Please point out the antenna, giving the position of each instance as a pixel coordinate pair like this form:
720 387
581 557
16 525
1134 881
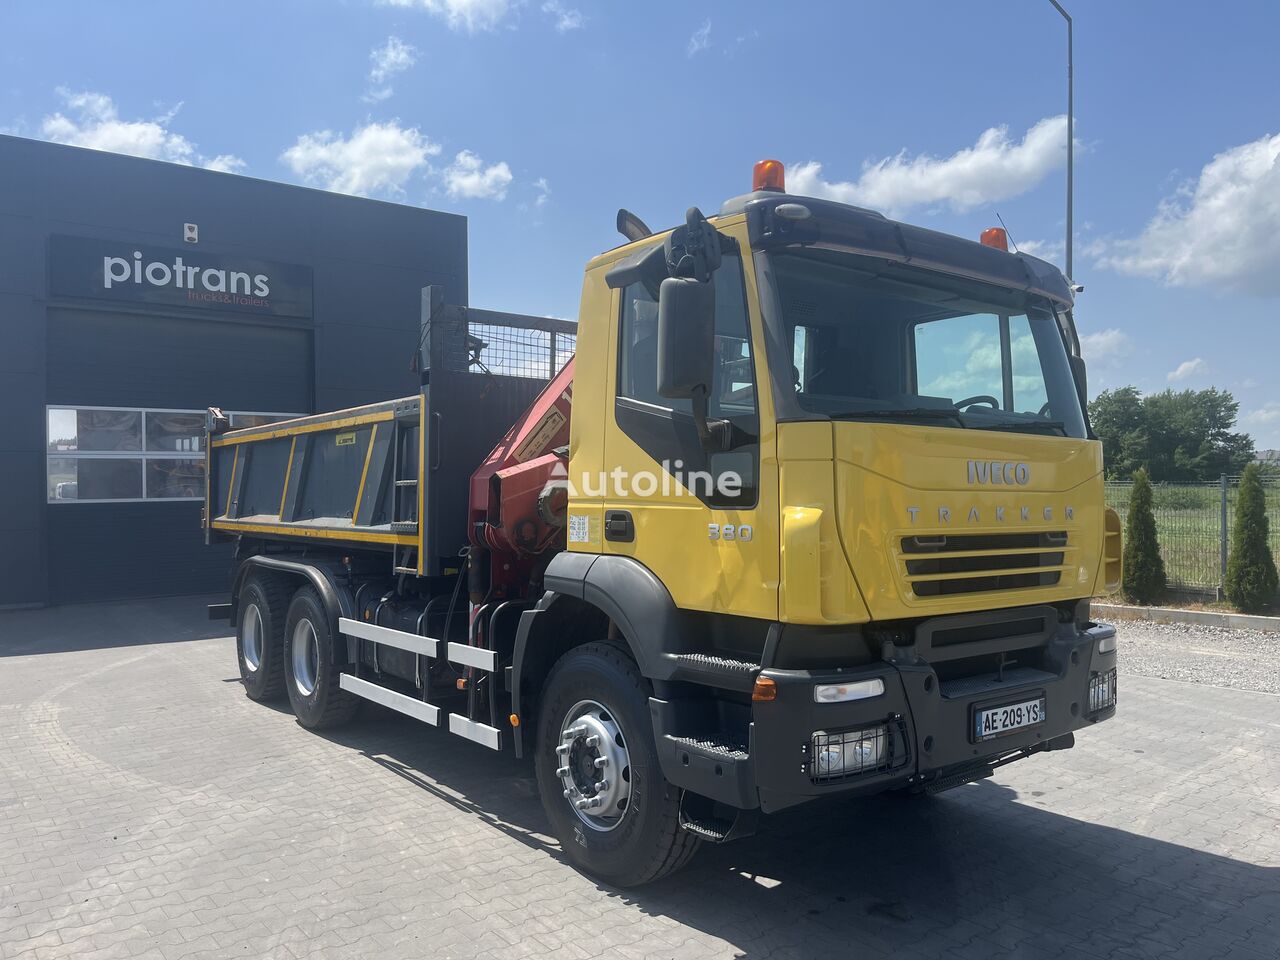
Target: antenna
1006 231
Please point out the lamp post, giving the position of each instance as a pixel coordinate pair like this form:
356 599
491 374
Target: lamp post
1071 139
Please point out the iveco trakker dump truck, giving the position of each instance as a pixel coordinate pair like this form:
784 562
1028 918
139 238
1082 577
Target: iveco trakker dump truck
813 511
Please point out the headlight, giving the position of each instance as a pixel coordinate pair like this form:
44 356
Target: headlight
836 755
1107 644
1102 691
844 692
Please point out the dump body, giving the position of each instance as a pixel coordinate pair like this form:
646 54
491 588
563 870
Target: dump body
363 478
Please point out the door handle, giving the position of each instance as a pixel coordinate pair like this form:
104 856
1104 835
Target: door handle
618 526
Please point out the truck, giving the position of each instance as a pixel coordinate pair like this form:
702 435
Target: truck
805 505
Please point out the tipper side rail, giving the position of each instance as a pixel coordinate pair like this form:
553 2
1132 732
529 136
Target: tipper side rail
806 504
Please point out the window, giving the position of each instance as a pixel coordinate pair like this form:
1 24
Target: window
664 427
887 343
994 360
733 389
109 454
959 358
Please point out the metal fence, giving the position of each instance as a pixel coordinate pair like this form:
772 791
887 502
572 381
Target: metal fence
1193 524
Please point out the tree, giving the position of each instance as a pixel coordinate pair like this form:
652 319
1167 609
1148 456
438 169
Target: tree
1182 435
1143 580
1252 580
1120 422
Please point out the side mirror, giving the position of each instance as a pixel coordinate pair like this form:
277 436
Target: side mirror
1082 379
686 340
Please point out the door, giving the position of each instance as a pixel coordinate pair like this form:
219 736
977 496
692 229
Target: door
703 522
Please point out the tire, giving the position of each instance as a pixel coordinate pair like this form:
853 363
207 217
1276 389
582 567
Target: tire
311 676
633 836
260 638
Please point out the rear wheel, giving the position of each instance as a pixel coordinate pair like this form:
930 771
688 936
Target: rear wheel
260 638
598 772
311 675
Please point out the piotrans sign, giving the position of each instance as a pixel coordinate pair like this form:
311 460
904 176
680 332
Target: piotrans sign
122 271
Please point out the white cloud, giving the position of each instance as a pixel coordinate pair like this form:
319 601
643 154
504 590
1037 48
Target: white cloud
468 178
95 122
1106 347
1221 231
375 158
224 163
1267 414
1187 369
544 191
567 18
700 40
393 57
467 15
1044 249
994 168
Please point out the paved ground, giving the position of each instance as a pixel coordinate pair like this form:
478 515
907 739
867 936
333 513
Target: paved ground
148 809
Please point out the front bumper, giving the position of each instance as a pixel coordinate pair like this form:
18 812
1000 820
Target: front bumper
928 724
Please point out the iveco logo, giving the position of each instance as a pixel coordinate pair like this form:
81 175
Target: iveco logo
999 471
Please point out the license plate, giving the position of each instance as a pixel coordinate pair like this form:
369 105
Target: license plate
997 721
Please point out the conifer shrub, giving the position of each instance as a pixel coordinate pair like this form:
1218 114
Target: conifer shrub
1252 581
1144 577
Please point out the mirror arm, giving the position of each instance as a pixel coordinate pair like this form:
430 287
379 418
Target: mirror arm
715 436
701 407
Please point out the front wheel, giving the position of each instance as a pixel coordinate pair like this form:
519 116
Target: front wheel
598 772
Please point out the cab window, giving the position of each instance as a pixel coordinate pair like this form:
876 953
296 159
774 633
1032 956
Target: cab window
664 426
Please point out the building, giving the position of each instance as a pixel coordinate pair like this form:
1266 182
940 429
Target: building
133 295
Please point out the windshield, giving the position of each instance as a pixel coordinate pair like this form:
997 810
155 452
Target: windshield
868 339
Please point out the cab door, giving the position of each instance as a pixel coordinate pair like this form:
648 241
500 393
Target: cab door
705 522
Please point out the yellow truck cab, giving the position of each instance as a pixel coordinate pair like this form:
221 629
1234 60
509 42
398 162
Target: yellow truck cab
827 522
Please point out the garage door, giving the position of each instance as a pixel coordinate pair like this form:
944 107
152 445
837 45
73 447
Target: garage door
111 378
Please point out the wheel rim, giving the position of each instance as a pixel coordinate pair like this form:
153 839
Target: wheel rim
594 766
306 657
251 638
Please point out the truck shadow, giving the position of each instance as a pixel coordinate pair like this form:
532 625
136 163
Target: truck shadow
94 626
971 872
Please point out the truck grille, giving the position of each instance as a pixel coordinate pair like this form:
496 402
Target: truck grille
948 564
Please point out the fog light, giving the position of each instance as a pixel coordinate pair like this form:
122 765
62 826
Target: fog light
835 755
843 692
1107 644
1102 691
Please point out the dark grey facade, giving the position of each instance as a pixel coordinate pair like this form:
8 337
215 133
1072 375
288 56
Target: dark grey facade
116 330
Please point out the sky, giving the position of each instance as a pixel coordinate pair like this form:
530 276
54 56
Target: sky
538 119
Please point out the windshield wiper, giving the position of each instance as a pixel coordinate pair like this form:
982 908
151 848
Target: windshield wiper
1025 426
902 413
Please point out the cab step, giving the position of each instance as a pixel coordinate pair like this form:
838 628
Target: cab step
404 526
716 769
710 749
712 671
713 822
